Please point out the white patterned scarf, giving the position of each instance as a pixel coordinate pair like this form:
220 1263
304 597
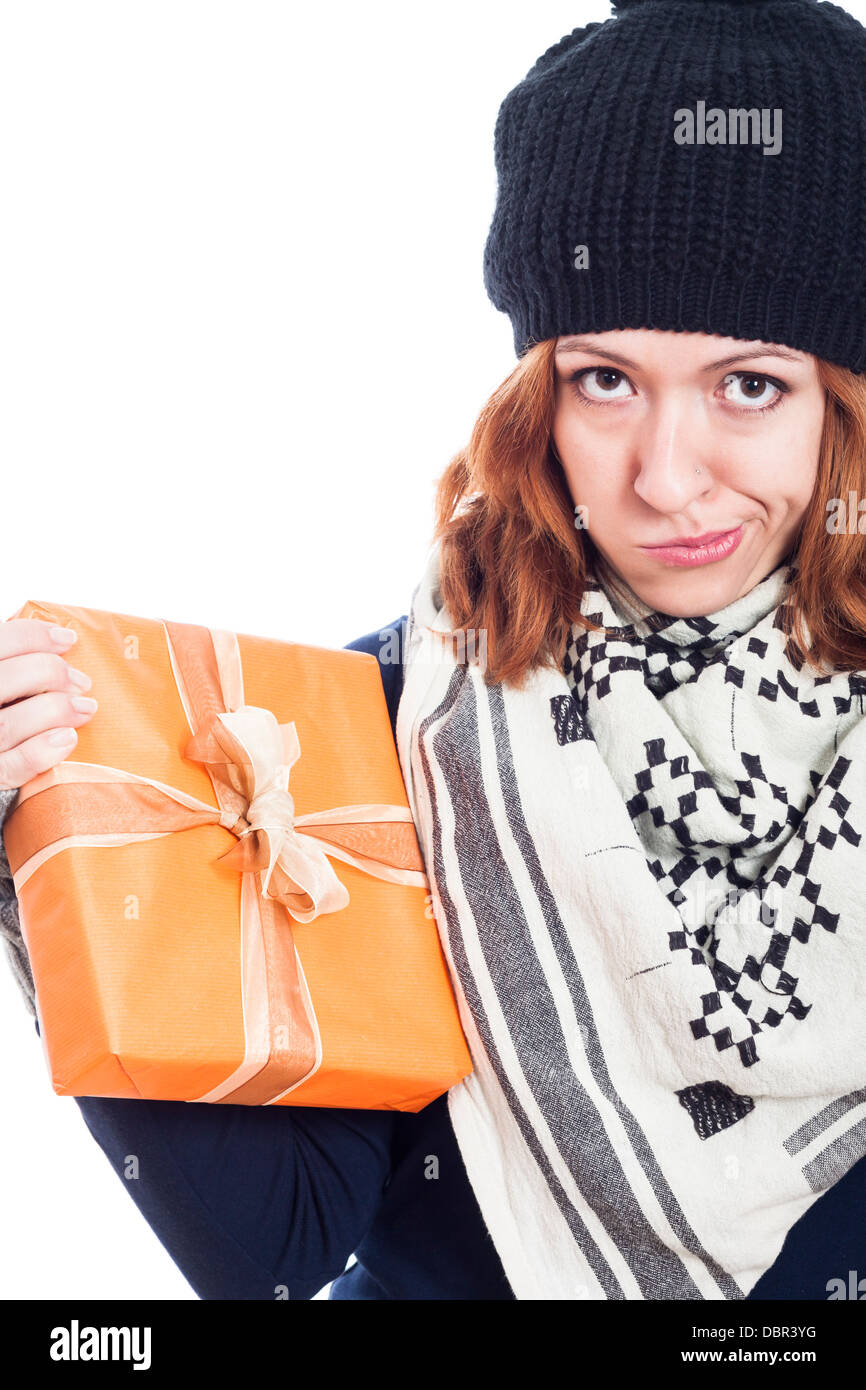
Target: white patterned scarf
649 879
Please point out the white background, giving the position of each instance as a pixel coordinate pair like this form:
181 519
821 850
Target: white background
244 329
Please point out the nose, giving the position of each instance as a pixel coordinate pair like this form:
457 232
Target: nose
669 455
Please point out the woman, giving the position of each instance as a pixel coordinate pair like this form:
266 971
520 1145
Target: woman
630 727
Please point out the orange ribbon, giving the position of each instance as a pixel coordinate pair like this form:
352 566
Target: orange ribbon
283 858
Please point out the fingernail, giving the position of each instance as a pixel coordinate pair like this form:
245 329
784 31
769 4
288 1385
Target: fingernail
78 678
63 636
83 703
61 736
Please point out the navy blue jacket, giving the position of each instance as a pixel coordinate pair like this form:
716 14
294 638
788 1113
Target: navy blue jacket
247 1199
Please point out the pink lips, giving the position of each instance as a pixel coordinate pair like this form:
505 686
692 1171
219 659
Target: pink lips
691 542
697 550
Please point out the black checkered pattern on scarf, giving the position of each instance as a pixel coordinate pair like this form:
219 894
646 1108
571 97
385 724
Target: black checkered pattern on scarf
779 856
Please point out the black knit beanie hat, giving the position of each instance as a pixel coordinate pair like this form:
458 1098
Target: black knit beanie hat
689 164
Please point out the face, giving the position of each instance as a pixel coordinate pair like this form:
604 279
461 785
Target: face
640 411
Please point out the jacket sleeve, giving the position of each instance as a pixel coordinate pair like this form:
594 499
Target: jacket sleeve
248 1201
10 926
387 643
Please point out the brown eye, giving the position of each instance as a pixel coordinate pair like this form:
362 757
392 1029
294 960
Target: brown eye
597 384
753 385
751 391
608 379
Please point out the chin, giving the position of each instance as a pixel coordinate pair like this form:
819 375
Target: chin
694 594
690 593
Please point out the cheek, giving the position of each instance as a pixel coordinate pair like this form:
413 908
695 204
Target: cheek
599 496
792 459
595 465
784 484
805 492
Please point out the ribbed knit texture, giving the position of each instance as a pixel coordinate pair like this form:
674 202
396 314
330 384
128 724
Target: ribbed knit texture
713 238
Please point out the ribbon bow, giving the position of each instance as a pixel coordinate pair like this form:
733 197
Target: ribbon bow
248 753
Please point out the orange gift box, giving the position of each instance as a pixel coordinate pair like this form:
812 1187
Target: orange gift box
222 892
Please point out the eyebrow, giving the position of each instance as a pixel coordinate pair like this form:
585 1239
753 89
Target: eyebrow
583 345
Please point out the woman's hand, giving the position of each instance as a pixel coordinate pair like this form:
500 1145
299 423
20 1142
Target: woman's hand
42 700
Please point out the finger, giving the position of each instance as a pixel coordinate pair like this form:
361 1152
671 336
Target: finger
19 765
20 635
37 671
40 714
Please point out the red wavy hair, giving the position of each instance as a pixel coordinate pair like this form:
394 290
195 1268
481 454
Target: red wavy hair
514 565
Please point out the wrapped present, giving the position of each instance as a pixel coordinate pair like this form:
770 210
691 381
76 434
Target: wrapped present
198 928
